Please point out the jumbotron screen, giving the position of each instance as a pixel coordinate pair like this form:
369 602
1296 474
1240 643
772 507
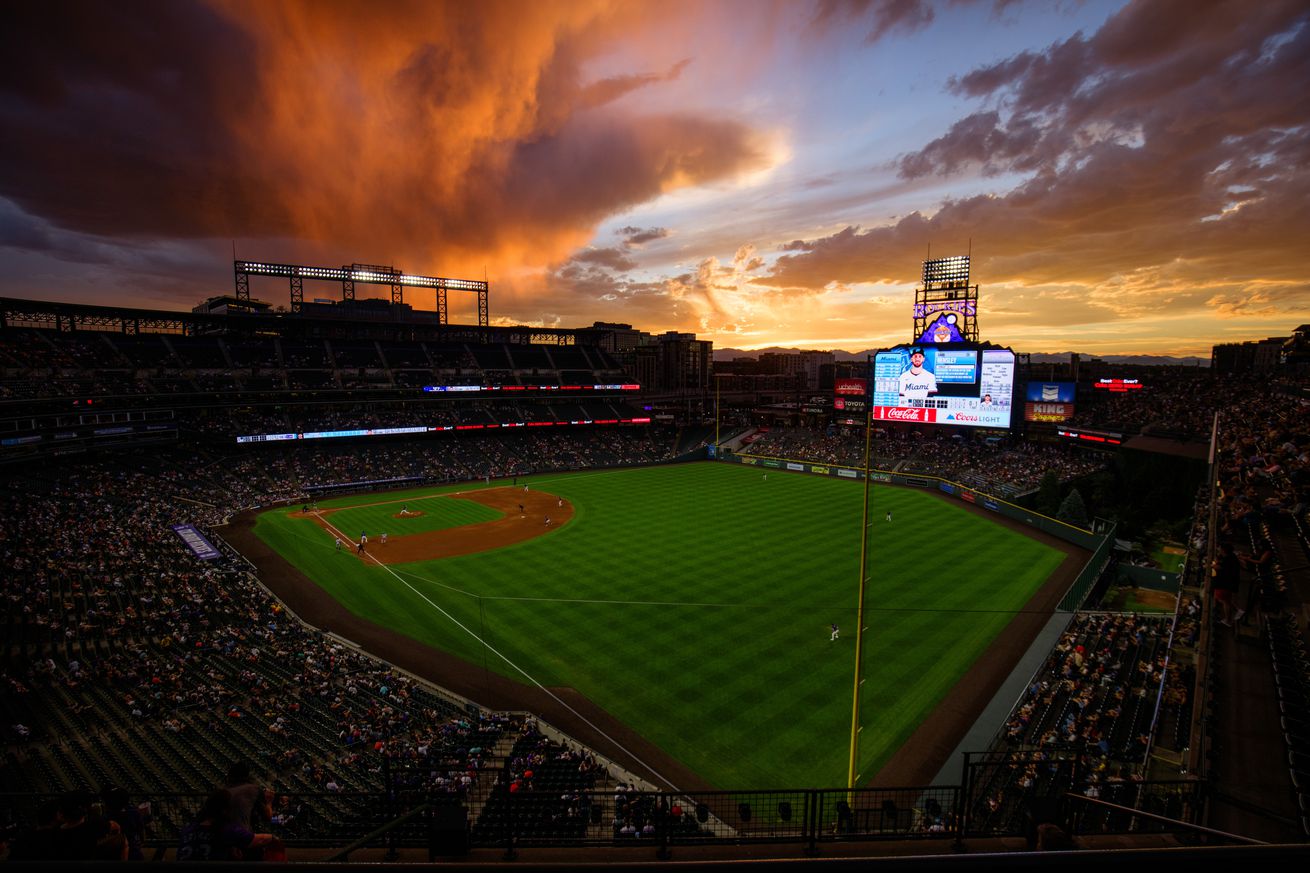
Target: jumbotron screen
944 384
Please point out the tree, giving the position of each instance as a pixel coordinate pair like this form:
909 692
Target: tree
1048 493
1102 495
1073 510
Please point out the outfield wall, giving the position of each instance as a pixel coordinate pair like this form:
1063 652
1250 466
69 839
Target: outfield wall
1150 577
1067 532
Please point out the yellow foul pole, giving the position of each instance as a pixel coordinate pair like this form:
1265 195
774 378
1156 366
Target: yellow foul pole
852 776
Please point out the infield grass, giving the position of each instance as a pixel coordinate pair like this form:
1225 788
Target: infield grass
693 602
379 513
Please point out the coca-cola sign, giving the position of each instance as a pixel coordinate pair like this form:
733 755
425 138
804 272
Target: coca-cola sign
902 413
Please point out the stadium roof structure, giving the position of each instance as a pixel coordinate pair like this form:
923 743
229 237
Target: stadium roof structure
342 320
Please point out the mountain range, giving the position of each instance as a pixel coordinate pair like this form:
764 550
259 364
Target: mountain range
1036 358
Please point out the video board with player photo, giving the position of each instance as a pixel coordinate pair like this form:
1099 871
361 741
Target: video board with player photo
959 384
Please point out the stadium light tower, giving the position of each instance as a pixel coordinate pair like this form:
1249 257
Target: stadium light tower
946 302
360 274
852 775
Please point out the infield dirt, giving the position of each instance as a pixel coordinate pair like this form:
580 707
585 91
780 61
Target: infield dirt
514 527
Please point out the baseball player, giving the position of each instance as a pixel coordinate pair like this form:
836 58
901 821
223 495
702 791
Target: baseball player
916 383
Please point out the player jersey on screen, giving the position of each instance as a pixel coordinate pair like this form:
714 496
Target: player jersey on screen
917 386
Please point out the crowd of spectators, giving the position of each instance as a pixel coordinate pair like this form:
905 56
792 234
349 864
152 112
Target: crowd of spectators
832 447
1172 403
552 789
1007 467
1076 708
115 629
1263 493
262 475
1104 668
1084 722
1264 464
1021 466
104 595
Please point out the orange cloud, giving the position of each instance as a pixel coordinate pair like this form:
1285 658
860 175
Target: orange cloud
424 134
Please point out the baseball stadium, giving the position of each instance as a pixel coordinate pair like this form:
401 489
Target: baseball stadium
537 596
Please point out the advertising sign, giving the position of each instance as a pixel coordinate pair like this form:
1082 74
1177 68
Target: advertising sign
1051 392
851 387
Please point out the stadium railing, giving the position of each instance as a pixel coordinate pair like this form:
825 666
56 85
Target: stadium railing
1076 596
804 817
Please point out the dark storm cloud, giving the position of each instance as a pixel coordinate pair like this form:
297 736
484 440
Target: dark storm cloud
453 137
117 123
612 258
597 164
639 236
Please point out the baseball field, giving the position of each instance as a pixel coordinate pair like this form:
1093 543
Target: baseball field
691 602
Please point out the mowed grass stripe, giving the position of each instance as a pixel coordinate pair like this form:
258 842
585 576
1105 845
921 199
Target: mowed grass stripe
749 693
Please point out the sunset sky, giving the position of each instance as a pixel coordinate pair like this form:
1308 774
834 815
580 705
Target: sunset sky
1132 177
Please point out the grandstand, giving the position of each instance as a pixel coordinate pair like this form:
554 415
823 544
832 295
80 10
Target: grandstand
134 661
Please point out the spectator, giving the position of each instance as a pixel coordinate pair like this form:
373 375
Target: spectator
214 836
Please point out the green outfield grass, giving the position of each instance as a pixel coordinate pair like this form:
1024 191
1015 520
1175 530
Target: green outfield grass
693 602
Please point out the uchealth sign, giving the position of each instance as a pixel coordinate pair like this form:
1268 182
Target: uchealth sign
856 387
904 413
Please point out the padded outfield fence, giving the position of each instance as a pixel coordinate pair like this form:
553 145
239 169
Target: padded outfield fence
1069 533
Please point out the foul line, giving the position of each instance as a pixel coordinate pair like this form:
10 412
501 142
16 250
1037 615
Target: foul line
501 655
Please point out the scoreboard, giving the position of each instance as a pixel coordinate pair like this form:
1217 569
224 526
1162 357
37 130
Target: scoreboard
960 384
